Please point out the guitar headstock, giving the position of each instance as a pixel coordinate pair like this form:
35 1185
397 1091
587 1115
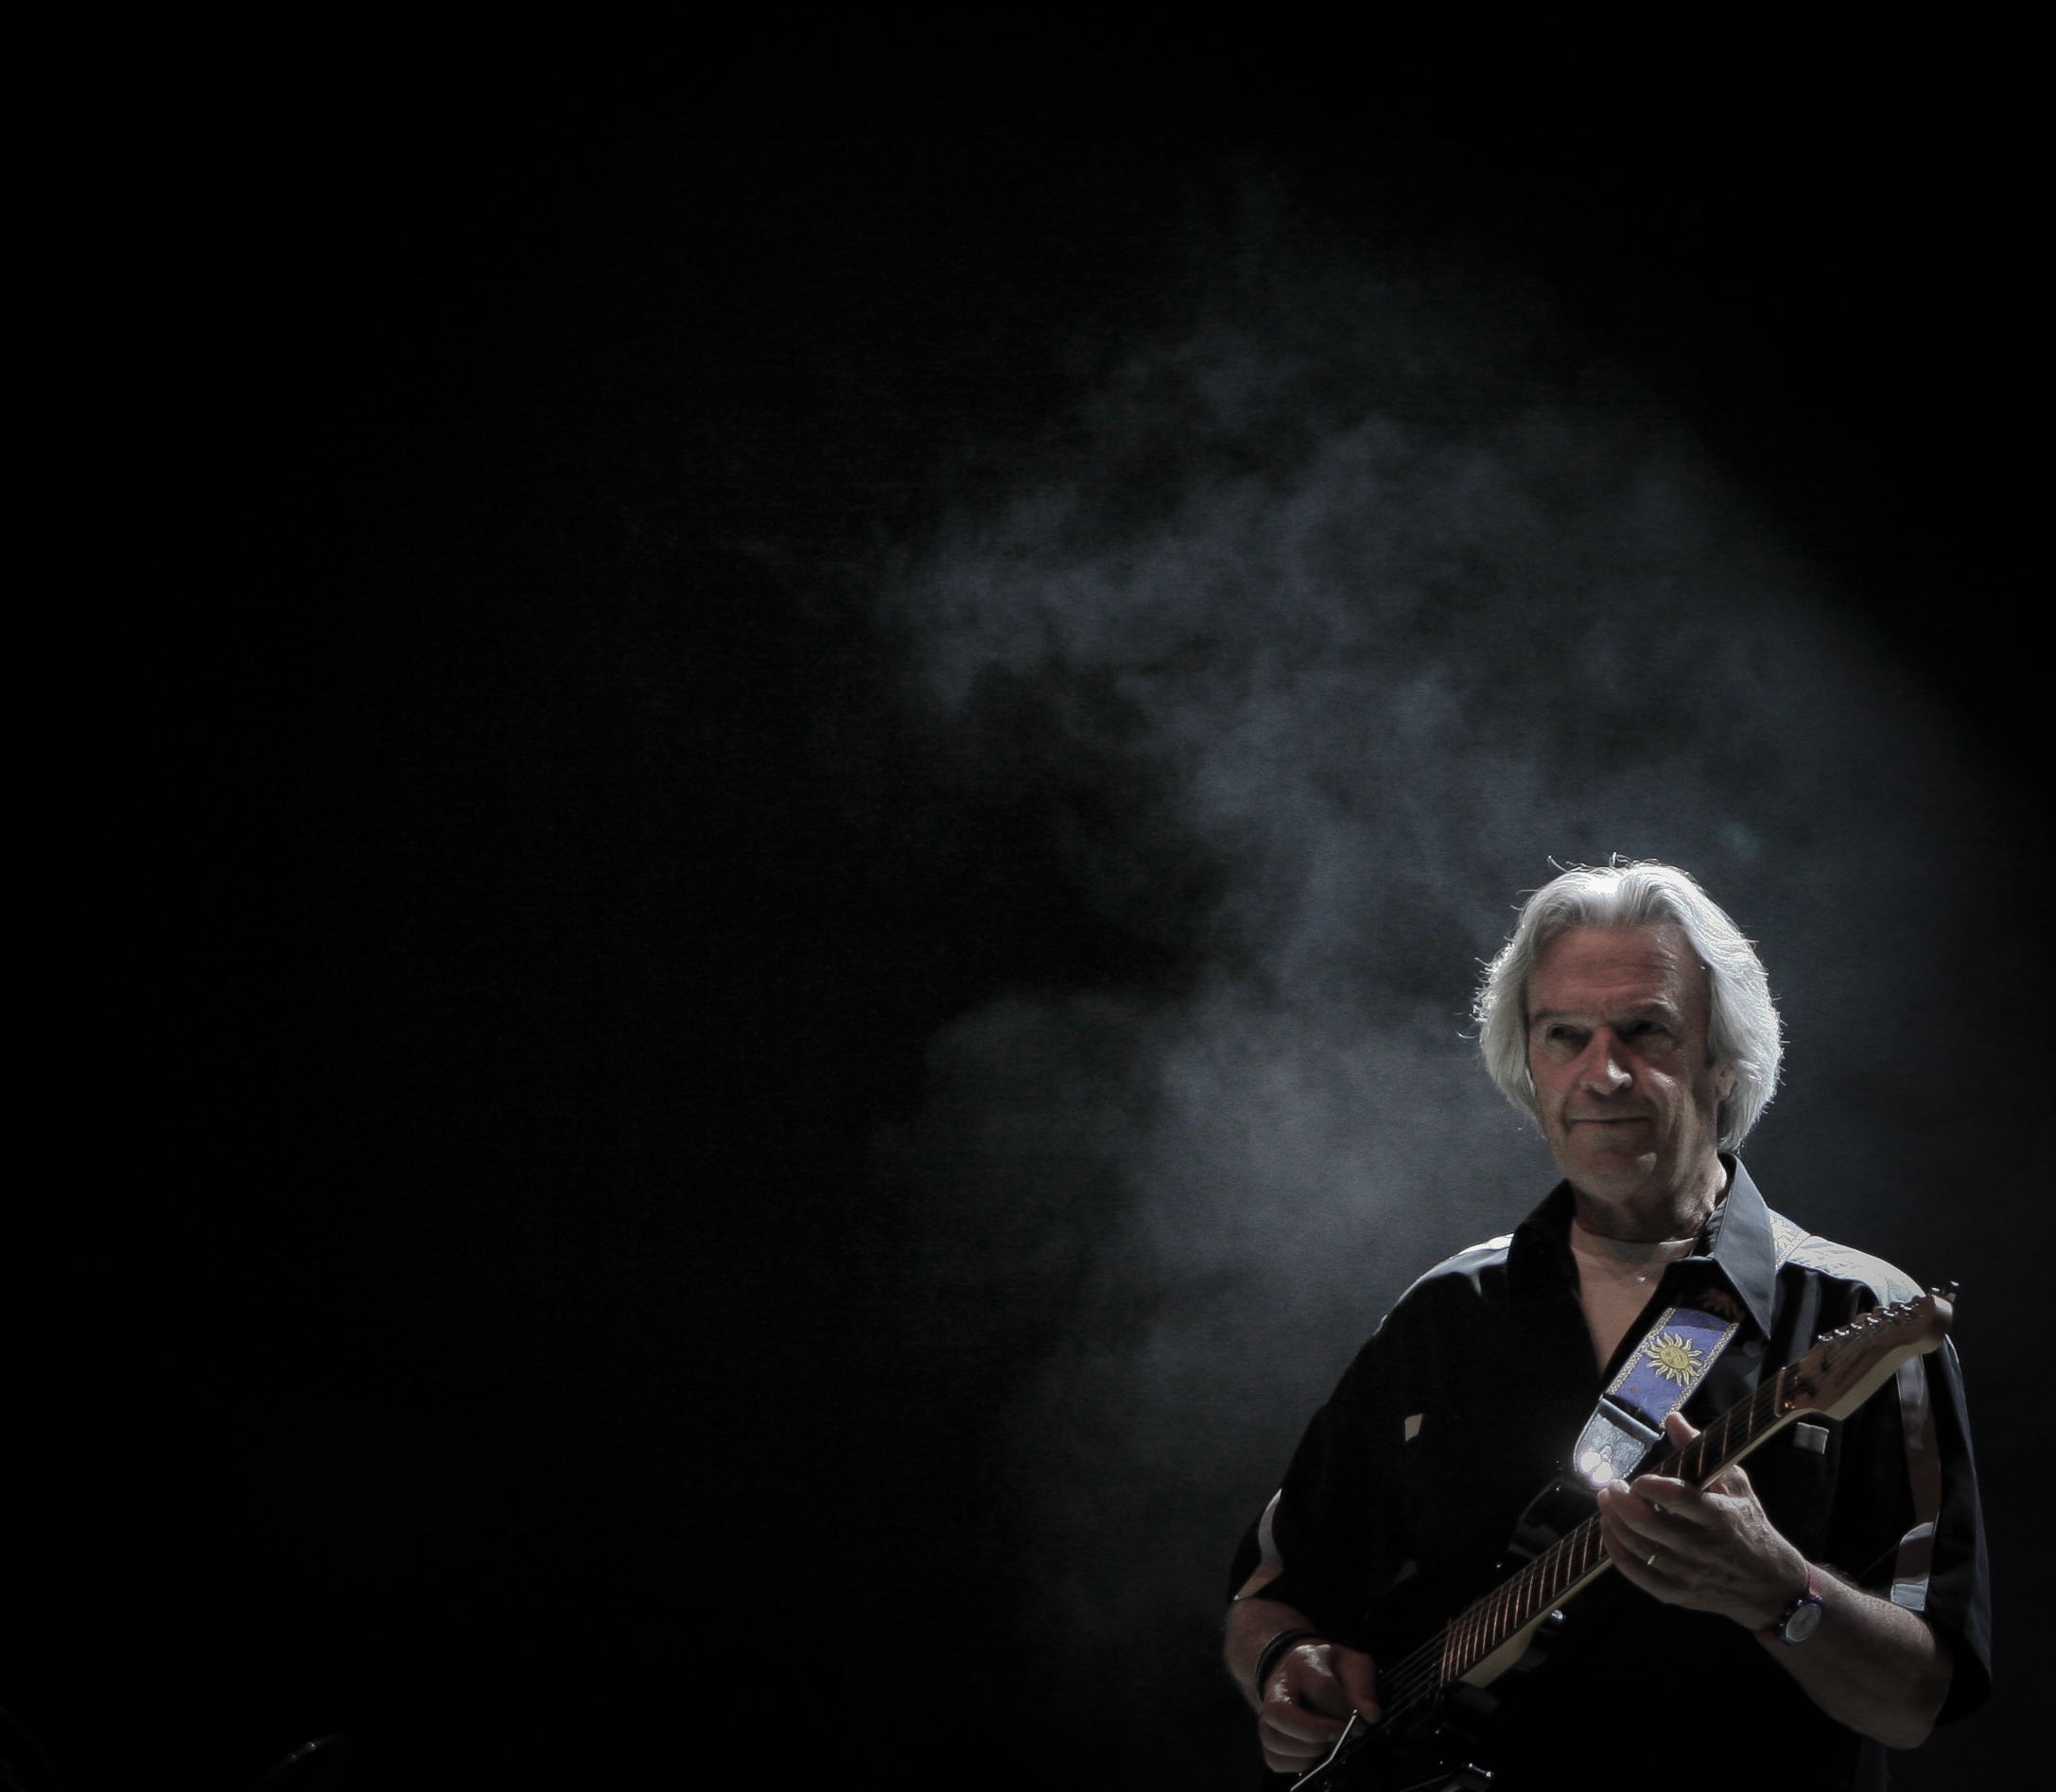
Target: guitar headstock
1850 1363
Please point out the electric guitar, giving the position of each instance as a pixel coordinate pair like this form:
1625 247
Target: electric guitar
1435 1696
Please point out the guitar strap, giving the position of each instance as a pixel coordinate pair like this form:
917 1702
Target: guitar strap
1659 1377
1655 1379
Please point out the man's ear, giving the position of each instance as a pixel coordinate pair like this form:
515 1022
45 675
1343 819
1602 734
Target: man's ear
1723 1081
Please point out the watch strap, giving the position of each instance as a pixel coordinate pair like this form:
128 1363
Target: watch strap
1779 1632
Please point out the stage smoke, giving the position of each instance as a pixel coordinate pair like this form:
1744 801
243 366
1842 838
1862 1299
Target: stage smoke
1341 614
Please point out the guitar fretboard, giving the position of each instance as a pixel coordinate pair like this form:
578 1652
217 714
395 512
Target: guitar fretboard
1579 1557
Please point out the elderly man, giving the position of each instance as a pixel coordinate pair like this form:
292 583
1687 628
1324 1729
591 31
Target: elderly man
1782 1626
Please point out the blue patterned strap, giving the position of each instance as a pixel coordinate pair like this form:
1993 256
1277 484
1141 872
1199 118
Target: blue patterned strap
1659 1377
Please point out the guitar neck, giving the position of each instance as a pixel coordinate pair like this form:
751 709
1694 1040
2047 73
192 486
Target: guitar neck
1492 1624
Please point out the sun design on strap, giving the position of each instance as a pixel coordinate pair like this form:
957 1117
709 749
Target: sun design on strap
1675 1357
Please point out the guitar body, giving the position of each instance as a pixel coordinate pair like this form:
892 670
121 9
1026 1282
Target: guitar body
1445 1742
1436 1762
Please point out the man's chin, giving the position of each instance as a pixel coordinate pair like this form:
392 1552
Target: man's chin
1607 1170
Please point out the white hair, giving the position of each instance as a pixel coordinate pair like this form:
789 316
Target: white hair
1743 1032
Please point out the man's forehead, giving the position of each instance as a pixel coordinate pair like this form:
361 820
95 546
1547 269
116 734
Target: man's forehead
1618 970
1657 1004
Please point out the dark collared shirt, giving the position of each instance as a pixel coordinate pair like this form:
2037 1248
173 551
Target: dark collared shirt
1467 1401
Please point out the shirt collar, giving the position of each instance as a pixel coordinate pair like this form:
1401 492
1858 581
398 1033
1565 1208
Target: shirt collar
1739 1240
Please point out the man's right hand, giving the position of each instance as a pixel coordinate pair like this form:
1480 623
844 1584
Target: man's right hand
1308 1699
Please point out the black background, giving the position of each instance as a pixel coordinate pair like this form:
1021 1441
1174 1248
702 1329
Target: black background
461 1310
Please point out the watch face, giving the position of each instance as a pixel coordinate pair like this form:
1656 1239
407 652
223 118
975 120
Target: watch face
1801 1620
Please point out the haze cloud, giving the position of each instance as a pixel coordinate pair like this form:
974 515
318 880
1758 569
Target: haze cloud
1350 606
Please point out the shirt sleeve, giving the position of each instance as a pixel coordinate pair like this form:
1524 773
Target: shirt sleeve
1958 1603
1338 1525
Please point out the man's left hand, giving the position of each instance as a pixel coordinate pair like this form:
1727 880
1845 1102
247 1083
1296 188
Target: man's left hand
1711 1548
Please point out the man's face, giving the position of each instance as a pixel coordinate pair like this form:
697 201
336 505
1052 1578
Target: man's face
1616 1042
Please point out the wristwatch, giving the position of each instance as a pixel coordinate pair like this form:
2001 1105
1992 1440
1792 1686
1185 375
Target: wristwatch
1802 1618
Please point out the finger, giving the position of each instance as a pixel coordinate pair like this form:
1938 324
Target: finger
1297 1740
1653 1578
1654 1566
1305 1705
1296 1730
1621 1511
1630 1551
1679 1430
1669 1499
1732 1483
1290 1757
1358 1674
1311 1683
1652 1554
1652 1506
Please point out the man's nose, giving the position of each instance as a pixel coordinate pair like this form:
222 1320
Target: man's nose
1602 1070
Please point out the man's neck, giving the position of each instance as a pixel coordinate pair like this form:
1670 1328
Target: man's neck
1653 1215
